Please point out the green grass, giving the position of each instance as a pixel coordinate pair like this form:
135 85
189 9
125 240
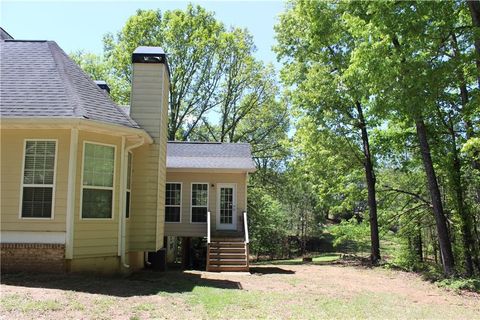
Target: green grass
459 284
26 304
324 258
239 304
222 303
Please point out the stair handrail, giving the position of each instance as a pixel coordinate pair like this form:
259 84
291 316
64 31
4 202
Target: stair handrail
245 227
208 227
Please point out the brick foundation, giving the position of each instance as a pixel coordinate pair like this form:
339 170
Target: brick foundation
32 257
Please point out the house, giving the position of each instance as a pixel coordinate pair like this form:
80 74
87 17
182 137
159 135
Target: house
88 187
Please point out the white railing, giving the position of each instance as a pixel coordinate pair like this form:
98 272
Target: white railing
245 226
208 227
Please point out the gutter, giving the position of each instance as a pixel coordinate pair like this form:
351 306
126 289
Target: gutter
67 123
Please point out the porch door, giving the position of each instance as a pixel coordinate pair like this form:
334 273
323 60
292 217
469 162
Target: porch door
226 206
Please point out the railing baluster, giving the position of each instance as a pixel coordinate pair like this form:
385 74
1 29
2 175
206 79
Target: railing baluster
245 226
208 227
208 241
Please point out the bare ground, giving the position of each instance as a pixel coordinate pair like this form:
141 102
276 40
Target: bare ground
280 292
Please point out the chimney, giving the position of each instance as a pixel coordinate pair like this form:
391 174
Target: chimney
149 108
150 90
103 85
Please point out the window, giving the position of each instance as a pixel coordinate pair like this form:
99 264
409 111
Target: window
173 200
199 202
97 188
129 183
38 179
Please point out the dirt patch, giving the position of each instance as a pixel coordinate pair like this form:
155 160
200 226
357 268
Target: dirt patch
294 291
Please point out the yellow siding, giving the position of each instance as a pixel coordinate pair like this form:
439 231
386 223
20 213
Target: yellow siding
149 108
96 237
12 148
187 229
163 163
143 216
98 265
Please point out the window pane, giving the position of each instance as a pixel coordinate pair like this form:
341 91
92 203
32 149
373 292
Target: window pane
199 194
39 162
172 214
127 205
199 214
37 202
173 194
28 177
49 162
129 171
97 203
98 165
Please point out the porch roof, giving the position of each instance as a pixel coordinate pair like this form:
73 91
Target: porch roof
210 156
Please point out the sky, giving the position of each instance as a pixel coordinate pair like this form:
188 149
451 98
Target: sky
80 25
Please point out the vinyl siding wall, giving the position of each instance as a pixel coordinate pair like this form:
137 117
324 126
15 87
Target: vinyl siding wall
187 229
149 109
12 143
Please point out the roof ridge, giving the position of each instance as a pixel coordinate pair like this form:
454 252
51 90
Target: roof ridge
56 51
81 109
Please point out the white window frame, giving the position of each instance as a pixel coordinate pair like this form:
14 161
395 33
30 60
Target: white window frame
191 202
22 185
112 215
129 190
181 201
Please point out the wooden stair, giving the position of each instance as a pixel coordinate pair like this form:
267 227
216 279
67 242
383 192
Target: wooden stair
227 254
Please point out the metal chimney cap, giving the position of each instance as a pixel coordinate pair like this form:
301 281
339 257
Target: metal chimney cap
149 55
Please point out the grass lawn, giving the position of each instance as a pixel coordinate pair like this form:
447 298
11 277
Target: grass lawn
272 291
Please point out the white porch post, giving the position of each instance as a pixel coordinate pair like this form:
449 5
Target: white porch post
72 175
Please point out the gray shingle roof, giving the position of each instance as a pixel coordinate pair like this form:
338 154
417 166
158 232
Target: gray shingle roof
38 79
204 155
4 35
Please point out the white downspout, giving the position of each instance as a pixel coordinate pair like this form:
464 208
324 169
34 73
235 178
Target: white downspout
123 190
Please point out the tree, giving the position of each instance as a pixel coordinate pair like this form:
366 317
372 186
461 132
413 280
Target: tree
408 47
98 68
317 48
193 40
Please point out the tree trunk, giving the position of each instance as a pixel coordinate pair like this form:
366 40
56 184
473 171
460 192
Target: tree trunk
418 245
474 7
477 236
466 223
441 223
370 178
469 238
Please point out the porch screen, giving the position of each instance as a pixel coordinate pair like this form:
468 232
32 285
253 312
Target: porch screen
38 179
173 200
97 188
199 202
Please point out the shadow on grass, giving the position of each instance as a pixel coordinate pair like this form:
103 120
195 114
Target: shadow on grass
142 283
323 259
